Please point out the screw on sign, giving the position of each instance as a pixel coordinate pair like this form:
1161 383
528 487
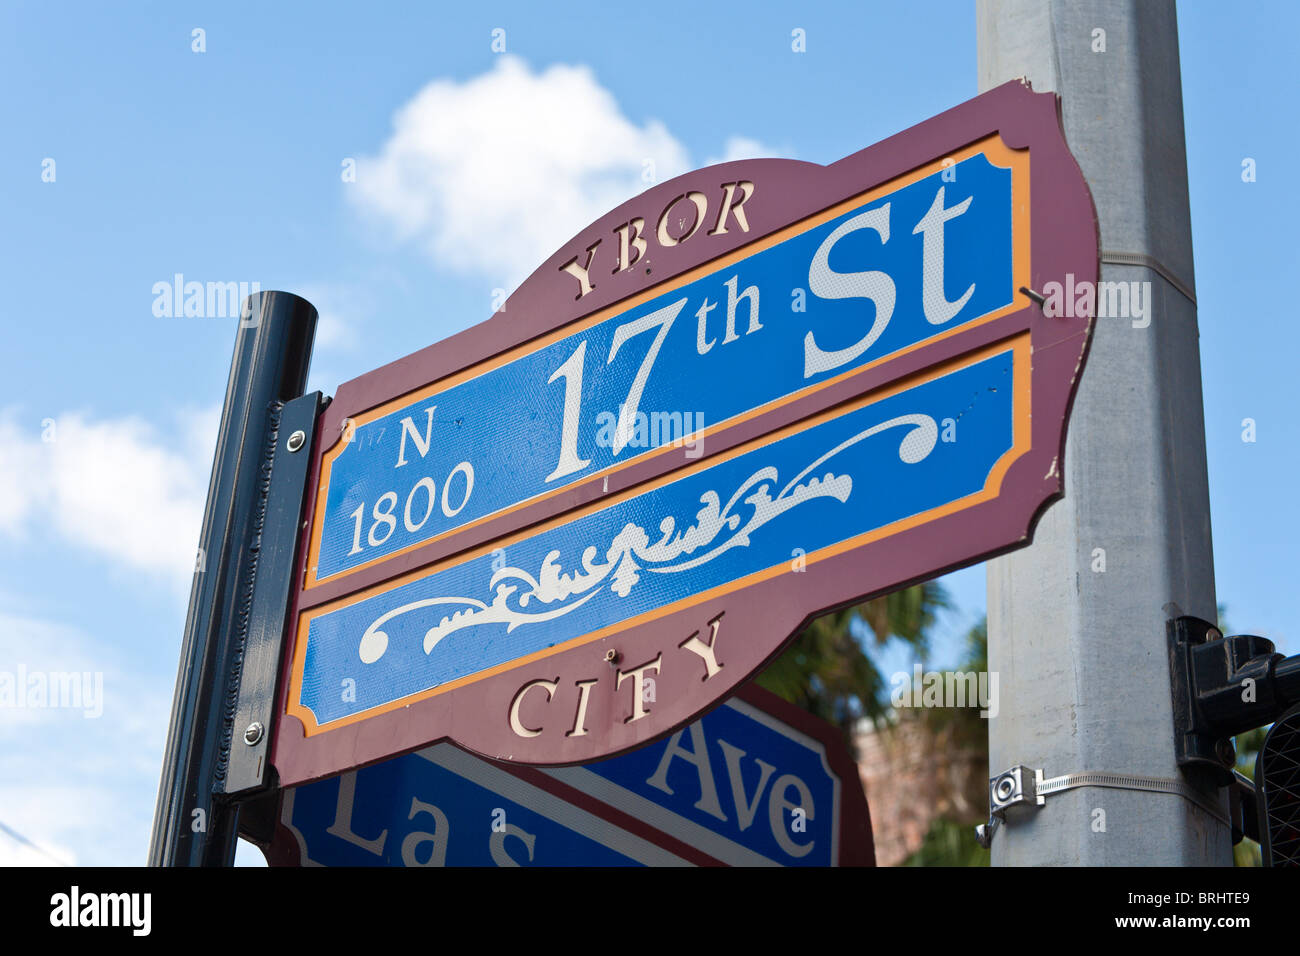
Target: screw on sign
754 393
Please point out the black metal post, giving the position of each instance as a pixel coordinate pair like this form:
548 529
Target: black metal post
272 353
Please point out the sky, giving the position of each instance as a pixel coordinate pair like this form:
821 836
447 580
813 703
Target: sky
135 149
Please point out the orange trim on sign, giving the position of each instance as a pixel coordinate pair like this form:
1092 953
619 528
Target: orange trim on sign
1019 346
992 147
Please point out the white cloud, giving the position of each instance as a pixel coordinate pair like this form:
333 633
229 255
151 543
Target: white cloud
18 464
340 309
77 783
493 174
334 331
112 487
742 147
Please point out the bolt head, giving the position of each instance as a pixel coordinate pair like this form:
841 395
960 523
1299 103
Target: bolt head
253 734
296 440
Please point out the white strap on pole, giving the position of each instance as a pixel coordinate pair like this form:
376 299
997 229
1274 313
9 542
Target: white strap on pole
1155 265
1123 781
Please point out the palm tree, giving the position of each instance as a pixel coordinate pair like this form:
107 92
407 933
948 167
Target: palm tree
962 737
826 669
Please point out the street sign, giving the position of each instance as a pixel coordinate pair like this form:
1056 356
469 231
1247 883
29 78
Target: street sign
755 782
751 394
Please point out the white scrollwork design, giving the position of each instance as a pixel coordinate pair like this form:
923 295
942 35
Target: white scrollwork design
521 598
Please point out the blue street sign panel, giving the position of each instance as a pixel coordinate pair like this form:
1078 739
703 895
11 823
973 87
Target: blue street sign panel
883 461
436 807
753 393
739 787
771 324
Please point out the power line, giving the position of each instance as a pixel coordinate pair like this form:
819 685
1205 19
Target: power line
15 835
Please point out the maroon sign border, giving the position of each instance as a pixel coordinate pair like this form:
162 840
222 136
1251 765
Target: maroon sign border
1063 236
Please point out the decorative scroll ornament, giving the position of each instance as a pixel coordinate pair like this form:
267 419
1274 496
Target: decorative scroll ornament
520 598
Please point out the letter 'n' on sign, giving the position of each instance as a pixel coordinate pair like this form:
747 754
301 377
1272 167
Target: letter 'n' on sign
421 442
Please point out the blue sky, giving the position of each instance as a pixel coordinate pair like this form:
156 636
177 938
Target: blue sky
225 165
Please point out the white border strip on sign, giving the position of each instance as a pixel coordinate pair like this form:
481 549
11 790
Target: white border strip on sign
661 818
546 804
816 746
549 805
706 840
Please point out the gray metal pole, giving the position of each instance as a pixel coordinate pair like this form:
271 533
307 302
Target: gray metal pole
1077 620
272 353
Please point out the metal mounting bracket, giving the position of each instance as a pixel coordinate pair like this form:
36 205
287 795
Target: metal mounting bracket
1021 786
271 563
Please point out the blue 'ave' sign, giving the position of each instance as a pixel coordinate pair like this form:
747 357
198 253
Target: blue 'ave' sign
738 786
